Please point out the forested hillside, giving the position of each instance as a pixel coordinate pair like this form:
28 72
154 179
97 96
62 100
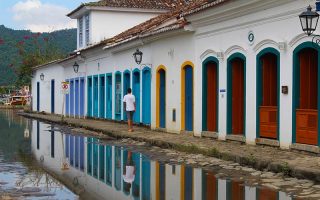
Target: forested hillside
11 41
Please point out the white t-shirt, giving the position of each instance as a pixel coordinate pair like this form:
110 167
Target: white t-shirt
129 176
129 99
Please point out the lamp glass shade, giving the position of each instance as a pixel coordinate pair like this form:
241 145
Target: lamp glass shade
42 76
309 21
138 56
76 67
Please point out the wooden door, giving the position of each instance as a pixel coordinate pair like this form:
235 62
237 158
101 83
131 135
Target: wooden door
307 112
269 107
238 96
267 194
212 97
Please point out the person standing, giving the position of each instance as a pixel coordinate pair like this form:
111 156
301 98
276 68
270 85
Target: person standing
129 102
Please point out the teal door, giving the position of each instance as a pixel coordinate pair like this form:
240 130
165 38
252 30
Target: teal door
126 85
89 106
136 93
162 99
109 97
102 97
95 97
118 99
146 96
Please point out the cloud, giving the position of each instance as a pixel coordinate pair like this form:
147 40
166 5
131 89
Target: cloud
41 17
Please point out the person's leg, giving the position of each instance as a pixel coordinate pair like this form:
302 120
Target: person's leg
132 121
128 118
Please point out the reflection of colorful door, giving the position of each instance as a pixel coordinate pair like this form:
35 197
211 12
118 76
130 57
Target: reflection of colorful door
146 177
235 190
267 95
160 181
267 194
126 85
72 98
38 96
89 106
89 156
146 96
52 96
186 183
109 165
210 96
162 98
95 96
307 97
109 97
82 97
95 150
101 162
118 96
102 96
81 153
76 99
136 182
117 167
210 185
136 93
236 96
188 98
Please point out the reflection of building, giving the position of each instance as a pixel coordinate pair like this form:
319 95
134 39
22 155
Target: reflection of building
98 168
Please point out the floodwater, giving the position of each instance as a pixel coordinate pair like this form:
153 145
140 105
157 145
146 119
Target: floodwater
43 161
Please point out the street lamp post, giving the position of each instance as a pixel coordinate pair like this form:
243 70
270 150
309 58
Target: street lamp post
309 22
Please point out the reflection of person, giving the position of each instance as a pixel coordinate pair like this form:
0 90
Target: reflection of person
129 102
129 172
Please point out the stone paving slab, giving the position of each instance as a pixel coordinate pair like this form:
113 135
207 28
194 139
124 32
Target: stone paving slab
264 158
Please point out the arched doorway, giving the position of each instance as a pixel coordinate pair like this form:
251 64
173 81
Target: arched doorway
161 97
268 84
305 94
146 96
236 94
118 96
136 93
210 82
187 97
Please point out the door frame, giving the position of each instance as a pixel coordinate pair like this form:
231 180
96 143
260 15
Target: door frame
262 53
229 91
183 100
208 60
295 84
161 67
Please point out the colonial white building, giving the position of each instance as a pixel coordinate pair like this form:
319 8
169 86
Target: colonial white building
240 70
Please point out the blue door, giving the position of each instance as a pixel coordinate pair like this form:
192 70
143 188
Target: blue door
102 96
95 97
188 177
38 96
109 165
118 97
76 99
89 156
68 101
162 99
188 98
76 151
146 96
72 97
71 150
136 93
117 168
109 97
82 97
52 142
52 96
136 182
89 97
126 85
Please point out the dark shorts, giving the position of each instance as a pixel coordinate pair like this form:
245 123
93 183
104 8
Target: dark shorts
130 115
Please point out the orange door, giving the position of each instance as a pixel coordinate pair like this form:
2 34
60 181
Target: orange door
267 194
237 96
307 112
212 97
269 107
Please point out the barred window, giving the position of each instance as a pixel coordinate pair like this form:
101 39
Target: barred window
80 32
87 21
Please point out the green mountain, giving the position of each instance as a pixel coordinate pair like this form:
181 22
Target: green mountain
10 60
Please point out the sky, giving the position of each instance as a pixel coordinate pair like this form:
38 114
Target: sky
38 15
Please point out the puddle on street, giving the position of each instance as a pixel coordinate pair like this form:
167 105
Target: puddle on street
91 168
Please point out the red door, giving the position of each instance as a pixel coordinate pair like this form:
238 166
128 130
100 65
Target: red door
269 107
237 189
212 97
211 189
267 194
307 112
238 96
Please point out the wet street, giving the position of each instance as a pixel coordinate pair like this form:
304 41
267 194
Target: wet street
45 161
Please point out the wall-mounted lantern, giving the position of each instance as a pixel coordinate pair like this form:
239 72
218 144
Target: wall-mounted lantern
138 56
41 76
76 67
309 22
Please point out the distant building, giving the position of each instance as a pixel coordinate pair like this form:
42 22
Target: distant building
237 70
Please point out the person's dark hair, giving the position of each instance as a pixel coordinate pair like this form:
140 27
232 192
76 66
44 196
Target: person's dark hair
129 90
